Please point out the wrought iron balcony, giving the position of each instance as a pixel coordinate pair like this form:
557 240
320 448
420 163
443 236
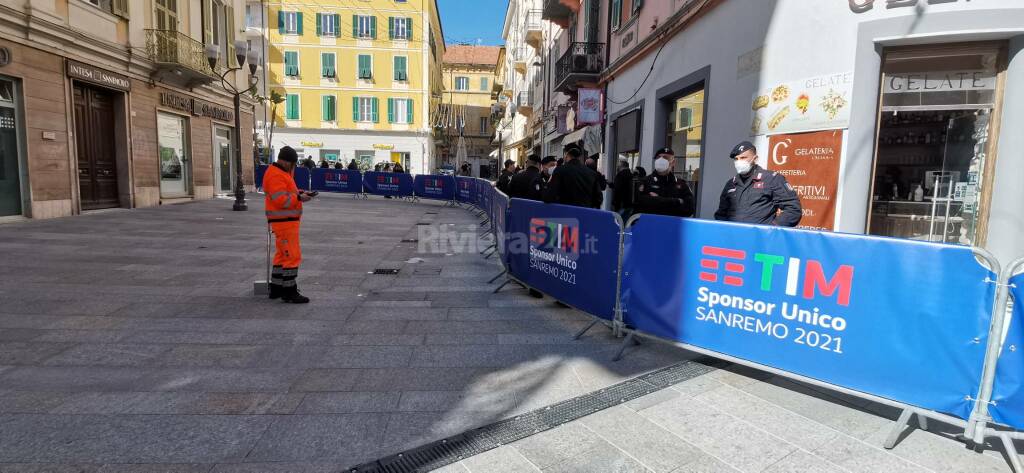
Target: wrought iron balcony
581 64
178 57
524 102
534 28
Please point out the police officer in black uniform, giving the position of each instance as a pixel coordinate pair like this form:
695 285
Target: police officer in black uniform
663 194
506 176
756 195
573 183
528 183
547 168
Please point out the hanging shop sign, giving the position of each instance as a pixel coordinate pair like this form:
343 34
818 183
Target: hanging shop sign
384 147
589 102
811 104
312 144
95 75
810 164
195 107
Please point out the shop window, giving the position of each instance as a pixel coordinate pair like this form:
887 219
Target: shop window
684 133
933 166
330 155
173 144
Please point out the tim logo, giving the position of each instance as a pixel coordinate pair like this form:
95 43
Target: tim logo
433 182
387 180
555 234
464 185
803 278
336 177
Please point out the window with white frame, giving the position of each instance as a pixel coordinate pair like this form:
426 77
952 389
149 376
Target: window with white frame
329 24
462 83
401 111
365 26
291 22
366 109
484 125
401 28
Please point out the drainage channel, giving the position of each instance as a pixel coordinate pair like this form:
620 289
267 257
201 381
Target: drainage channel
473 442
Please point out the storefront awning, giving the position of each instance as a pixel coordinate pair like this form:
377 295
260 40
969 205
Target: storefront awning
575 136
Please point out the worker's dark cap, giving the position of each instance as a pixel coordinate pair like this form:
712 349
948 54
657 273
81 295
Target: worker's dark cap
288 154
548 160
741 148
533 158
665 150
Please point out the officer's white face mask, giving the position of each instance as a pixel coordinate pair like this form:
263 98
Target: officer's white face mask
661 165
743 166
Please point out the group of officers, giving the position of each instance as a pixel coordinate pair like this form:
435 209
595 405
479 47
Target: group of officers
754 195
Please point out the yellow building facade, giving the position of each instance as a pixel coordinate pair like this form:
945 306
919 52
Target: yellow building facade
360 80
469 75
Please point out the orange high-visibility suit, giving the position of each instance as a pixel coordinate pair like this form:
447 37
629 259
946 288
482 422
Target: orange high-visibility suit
284 211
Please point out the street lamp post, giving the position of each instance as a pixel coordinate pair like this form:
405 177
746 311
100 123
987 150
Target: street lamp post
212 55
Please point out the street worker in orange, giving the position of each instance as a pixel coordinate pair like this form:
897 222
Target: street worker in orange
284 211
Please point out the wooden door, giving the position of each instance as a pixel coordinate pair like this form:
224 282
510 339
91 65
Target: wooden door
94 139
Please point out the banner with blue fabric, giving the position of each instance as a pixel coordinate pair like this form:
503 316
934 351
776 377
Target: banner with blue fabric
302 178
1007 406
894 318
569 253
387 183
260 171
465 189
434 186
337 180
499 214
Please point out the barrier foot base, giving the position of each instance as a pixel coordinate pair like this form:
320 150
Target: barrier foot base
502 273
489 255
485 250
506 283
626 342
1011 453
585 329
898 429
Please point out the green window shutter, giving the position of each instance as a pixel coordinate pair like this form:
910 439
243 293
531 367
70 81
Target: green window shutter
408 111
291 67
391 110
334 108
483 84
391 27
408 29
324 102
324 67
319 24
337 25
355 109
373 27
373 110
292 107
280 22
355 26
298 23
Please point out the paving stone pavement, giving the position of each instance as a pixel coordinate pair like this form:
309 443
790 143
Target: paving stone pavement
130 342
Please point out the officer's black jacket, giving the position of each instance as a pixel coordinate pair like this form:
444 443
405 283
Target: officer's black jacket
762 197
622 190
503 181
674 196
574 184
527 184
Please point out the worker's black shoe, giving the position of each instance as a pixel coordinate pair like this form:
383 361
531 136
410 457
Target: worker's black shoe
292 295
275 291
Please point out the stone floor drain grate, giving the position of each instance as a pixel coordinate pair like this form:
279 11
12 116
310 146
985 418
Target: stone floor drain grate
385 271
453 449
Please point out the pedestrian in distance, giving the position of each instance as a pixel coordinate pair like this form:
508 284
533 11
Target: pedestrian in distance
756 195
353 165
506 176
528 183
337 165
324 164
398 168
547 167
622 190
309 163
573 183
591 163
661 193
283 203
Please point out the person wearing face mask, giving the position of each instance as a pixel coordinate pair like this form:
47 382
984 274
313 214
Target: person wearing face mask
573 183
661 193
528 183
756 195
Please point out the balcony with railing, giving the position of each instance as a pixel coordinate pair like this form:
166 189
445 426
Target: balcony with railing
534 29
581 64
178 57
519 59
524 102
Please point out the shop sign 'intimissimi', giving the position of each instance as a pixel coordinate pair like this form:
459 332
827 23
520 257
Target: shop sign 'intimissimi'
810 163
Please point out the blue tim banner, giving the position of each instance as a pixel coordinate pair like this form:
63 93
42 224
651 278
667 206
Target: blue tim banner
260 171
337 180
387 183
302 178
569 253
499 215
465 189
893 318
430 186
1008 394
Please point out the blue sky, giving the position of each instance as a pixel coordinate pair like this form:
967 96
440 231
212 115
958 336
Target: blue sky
473 20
